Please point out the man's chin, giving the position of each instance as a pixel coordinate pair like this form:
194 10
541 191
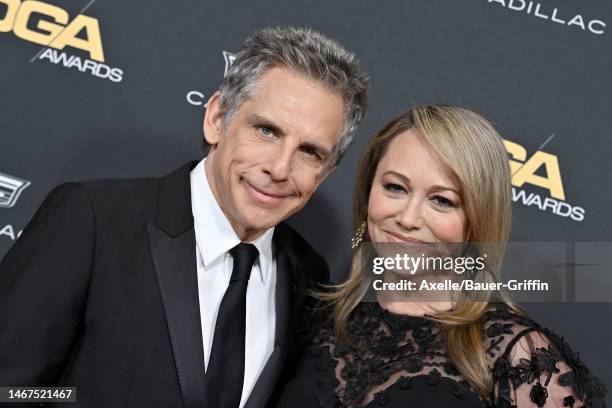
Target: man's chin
256 218
261 224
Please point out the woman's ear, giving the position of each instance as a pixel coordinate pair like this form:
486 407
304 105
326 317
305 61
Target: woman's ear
213 120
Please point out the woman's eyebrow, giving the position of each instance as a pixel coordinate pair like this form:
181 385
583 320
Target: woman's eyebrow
436 188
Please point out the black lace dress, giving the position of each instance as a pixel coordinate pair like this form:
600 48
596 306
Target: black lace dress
400 361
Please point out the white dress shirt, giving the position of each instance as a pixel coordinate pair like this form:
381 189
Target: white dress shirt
214 238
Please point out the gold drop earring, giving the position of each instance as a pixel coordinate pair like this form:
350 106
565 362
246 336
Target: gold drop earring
359 234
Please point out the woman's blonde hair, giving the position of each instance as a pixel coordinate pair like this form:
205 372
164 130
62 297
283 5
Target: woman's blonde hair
470 147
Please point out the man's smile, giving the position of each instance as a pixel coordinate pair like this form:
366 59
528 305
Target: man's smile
264 196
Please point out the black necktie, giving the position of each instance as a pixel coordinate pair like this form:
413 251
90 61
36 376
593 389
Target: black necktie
225 373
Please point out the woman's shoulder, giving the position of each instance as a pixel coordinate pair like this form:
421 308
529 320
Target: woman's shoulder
532 364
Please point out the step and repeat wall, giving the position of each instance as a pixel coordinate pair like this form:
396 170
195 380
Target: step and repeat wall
109 88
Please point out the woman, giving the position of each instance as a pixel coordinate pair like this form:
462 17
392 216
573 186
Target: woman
436 174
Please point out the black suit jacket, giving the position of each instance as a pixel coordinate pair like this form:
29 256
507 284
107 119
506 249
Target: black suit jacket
100 292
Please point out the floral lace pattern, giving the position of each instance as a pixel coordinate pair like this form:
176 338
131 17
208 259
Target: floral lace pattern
529 365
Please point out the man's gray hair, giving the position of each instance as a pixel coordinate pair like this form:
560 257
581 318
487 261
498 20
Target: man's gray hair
306 52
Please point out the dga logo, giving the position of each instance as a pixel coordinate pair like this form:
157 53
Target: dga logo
51 26
536 9
10 189
524 171
197 98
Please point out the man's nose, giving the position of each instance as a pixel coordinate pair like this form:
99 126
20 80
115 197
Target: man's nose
278 165
411 217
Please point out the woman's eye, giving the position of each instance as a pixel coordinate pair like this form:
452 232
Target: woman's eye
443 201
394 188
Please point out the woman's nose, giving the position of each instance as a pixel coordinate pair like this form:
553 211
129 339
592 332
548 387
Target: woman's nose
410 217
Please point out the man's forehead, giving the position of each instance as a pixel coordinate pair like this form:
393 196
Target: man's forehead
306 108
280 83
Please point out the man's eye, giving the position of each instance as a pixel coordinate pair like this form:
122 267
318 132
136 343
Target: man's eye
394 188
265 131
312 153
443 201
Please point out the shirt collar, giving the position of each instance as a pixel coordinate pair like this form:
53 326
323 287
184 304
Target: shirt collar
214 233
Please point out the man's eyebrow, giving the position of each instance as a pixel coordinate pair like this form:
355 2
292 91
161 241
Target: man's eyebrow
256 119
323 151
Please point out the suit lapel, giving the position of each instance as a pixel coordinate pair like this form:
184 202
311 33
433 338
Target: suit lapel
173 251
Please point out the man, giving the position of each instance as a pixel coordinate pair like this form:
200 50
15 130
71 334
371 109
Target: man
183 291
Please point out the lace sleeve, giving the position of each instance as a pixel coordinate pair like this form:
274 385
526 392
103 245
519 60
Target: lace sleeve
536 368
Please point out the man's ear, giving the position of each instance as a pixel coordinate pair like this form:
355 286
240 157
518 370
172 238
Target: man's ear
213 120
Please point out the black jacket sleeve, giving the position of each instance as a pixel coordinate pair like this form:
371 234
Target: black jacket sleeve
44 280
